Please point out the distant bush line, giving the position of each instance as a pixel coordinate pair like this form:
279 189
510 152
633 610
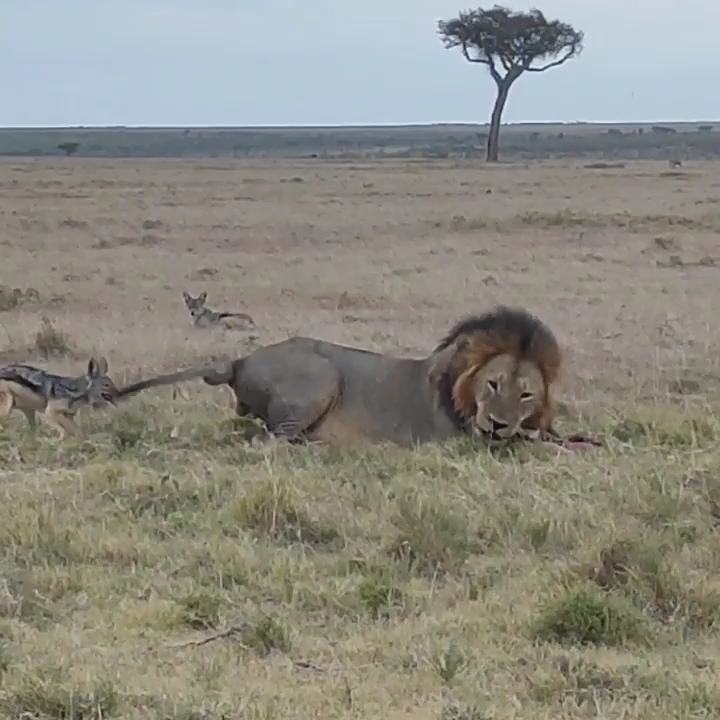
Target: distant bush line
692 141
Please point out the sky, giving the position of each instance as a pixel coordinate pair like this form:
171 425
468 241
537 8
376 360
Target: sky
324 62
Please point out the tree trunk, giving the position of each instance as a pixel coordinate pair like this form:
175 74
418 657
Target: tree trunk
493 144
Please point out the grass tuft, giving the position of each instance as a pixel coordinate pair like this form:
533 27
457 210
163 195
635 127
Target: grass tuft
272 510
586 615
52 342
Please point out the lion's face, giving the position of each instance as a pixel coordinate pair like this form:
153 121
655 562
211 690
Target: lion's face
507 393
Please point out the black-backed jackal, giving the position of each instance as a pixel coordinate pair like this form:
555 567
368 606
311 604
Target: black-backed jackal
203 317
32 390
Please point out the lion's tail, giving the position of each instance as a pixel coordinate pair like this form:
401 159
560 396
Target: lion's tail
222 374
213 375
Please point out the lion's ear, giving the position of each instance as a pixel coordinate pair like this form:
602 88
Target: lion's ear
441 361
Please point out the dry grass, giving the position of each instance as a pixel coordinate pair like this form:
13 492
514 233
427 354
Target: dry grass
445 583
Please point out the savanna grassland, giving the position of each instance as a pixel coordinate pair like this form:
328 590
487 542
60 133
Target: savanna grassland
162 566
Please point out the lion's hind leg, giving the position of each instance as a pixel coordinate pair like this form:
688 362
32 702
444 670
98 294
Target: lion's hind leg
301 396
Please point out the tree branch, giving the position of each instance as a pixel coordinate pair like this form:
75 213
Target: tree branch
494 74
507 64
487 60
552 64
484 61
236 629
515 73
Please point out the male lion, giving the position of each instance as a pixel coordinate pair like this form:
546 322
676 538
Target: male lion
491 375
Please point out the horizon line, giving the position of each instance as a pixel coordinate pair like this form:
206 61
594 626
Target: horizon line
351 126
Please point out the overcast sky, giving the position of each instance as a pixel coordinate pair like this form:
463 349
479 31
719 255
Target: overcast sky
322 62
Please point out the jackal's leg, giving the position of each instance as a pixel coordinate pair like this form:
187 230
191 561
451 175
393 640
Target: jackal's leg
237 321
61 420
180 391
7 403
235 402
31 418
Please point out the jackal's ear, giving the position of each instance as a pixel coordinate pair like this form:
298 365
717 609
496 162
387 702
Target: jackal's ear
93 368
187 297
202 297
102 367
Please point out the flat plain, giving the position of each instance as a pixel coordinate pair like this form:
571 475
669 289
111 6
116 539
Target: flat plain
164 567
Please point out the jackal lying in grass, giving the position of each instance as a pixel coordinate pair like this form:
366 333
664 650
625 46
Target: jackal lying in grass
203 317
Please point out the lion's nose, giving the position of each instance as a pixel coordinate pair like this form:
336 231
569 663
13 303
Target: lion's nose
497 425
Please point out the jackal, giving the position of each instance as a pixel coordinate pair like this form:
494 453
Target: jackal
58 397
204 317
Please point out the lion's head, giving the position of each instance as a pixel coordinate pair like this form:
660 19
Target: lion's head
495 372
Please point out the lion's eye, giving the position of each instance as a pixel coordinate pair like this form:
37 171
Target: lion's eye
493 385
526 396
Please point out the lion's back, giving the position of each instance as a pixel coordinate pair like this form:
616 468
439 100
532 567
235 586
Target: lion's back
383 397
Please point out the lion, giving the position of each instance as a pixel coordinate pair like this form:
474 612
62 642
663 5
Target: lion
492 375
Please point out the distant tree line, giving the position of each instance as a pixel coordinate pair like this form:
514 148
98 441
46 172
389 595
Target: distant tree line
519 143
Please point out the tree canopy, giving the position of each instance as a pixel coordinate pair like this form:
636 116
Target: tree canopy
514 40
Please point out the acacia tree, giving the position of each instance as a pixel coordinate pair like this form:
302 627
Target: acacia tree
509 44
69 148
